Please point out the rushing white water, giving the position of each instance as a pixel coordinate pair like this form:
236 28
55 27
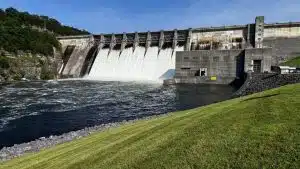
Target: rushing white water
135 65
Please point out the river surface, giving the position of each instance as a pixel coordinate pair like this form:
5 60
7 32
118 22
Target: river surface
30 110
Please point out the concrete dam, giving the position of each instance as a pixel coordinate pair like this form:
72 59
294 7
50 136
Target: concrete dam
195 55
146 56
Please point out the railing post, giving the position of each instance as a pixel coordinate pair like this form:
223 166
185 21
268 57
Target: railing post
112 43
161 41
124 42
148 42
136 41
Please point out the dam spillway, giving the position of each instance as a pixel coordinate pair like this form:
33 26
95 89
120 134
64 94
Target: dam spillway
134 65
127 56
139 56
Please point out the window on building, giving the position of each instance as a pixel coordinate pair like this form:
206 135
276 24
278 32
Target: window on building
257 66
203 72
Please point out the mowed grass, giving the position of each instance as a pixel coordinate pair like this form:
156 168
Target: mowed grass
295 62
257 131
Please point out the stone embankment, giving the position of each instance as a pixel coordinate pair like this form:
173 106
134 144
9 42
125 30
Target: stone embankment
263 81
18 150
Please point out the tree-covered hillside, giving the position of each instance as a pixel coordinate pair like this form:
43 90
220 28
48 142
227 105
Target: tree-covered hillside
17 18
21 31
30 40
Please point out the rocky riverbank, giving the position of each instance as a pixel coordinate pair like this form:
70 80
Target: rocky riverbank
264 81
18 150
15 67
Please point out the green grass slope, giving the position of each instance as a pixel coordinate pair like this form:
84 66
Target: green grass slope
258 131
295 62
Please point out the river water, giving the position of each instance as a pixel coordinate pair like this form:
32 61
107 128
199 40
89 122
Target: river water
30 110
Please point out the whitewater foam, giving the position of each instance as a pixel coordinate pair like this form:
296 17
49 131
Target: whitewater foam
139 65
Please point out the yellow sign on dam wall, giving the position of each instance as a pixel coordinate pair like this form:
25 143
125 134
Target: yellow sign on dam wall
213 78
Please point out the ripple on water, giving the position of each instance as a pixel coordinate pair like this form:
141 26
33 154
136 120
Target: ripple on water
32 110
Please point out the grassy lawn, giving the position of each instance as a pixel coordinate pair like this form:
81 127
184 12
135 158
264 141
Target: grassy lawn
293 62
257 131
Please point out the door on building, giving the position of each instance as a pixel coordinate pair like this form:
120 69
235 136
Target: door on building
257 66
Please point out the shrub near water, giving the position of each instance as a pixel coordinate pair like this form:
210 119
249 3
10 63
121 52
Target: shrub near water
4 66
4 62
46 72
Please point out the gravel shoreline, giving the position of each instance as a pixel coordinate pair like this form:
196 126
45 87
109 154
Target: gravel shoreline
8 153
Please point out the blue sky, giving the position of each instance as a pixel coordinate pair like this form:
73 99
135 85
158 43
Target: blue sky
108 16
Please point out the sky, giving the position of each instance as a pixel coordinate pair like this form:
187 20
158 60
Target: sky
117 16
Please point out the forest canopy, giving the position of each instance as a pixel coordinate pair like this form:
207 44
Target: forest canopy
22 31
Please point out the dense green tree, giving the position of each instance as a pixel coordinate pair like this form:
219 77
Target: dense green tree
21 31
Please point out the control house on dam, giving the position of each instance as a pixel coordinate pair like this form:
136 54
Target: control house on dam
216 55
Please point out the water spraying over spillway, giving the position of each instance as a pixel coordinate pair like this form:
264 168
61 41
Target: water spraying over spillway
138 65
